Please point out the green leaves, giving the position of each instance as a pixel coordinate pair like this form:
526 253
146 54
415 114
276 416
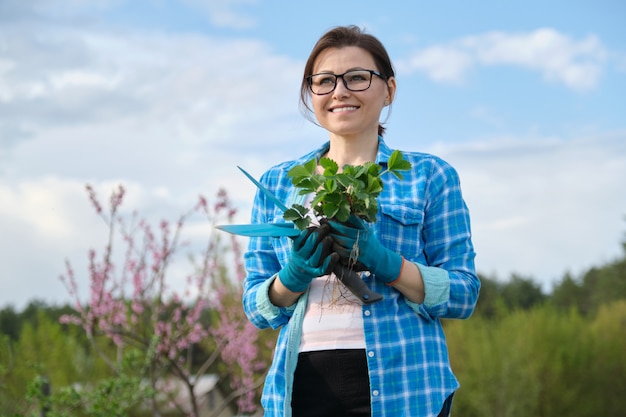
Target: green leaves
398 163
298 215
337 195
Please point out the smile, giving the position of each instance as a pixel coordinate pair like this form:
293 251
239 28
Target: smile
340 109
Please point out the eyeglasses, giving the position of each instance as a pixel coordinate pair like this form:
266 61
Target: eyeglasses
355 80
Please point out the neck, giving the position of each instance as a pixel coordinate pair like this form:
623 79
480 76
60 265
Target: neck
352 151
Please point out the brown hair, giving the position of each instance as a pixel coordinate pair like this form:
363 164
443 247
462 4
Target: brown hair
340 37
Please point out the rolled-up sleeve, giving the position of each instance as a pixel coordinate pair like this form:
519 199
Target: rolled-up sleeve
262 265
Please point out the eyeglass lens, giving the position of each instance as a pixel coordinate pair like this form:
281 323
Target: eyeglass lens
357 80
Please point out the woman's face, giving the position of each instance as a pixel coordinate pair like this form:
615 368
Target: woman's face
345 113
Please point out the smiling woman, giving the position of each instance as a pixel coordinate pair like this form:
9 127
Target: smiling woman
337 355
353 109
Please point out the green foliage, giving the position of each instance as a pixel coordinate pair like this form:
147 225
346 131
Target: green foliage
9 323
120 395
593 289
522 293
44 350
499 298
607 373
541 362
337 194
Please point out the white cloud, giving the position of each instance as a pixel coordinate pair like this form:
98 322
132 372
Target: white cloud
441 63
225 13
169 117
543 206
42 222
578 64
49 220
207 85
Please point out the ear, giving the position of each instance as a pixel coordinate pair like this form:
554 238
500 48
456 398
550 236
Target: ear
391 90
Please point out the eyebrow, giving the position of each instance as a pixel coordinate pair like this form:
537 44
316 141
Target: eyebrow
348 70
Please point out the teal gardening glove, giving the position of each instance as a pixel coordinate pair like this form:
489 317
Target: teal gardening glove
311 256
355 241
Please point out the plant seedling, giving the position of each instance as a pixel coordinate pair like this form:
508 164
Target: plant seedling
337 195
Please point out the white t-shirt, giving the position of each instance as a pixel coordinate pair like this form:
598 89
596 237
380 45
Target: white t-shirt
333 317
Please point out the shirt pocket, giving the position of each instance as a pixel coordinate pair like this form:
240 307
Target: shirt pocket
400 229
403 214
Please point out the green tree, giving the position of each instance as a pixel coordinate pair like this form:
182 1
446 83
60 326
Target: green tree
596 287
522 293
490 302
567 294
9 323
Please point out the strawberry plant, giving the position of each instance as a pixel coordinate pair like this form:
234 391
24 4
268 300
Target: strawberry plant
337 195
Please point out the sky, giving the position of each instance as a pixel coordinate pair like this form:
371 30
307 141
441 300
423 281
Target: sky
167 98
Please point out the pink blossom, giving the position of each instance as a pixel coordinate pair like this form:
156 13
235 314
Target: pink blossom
172 320
93 199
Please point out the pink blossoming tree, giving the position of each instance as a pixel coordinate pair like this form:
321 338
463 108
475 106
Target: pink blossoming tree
133 303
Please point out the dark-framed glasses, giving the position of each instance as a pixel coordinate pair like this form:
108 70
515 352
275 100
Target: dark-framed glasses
354 80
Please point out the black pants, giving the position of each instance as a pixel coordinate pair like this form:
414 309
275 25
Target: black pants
331 383
335 383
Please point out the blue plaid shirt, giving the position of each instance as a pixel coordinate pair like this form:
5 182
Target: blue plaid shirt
424 218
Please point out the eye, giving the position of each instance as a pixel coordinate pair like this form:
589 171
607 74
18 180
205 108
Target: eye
323 79
356 76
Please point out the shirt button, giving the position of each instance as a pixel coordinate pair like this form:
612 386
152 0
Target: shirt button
368 313
370 354
375 393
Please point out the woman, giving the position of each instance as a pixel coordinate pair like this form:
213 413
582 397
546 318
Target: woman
334 355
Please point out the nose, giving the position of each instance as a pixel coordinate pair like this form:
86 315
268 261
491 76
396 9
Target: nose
340 88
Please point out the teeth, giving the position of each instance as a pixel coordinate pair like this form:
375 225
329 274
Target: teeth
343 109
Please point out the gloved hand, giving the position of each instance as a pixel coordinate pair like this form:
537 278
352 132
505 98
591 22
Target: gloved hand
355 241
311 256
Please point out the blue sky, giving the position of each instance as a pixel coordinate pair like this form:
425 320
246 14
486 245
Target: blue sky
525 99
